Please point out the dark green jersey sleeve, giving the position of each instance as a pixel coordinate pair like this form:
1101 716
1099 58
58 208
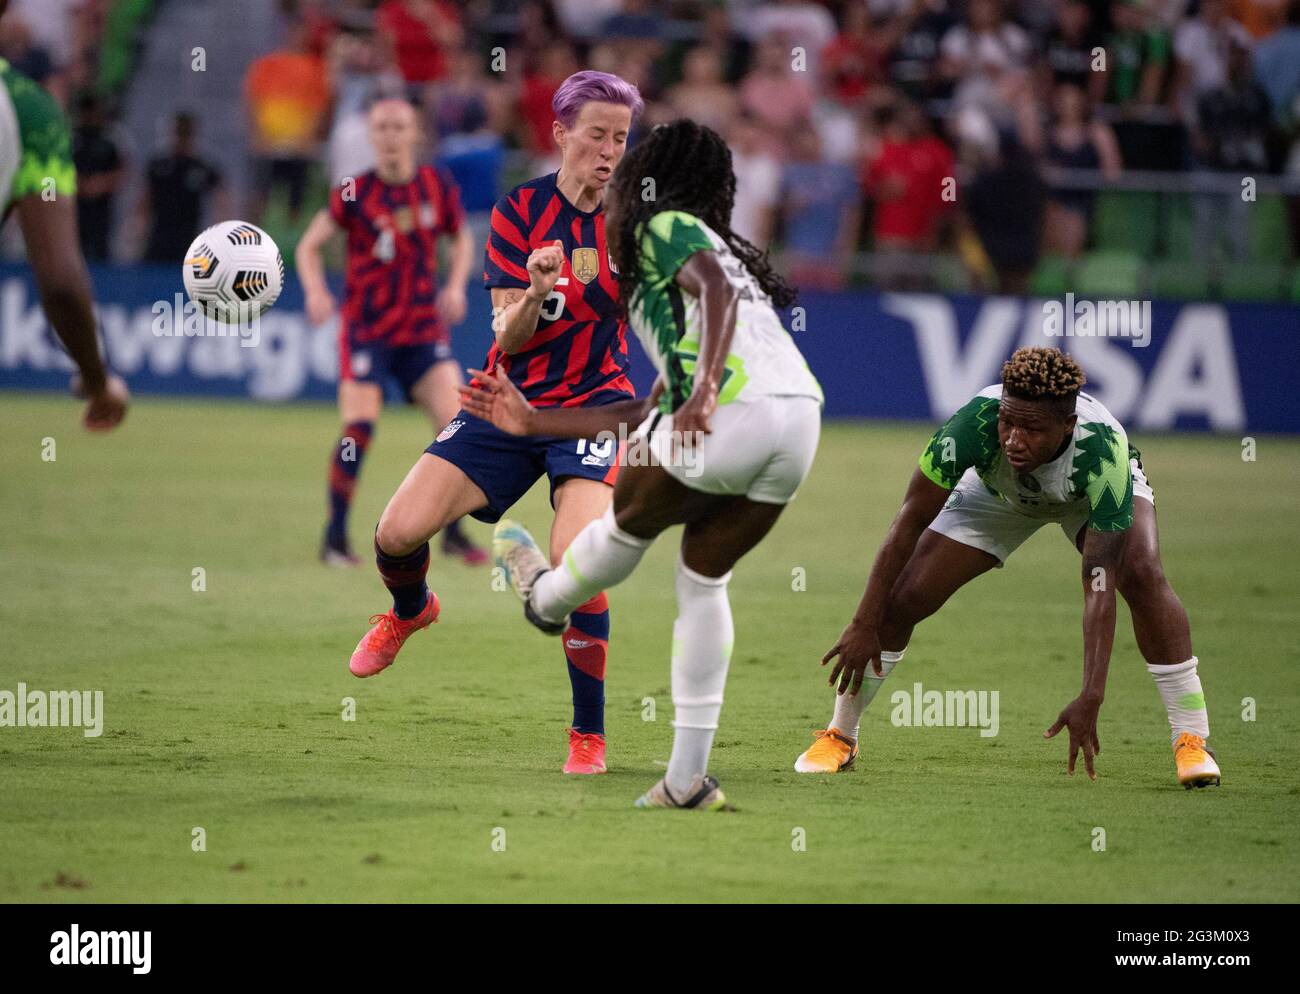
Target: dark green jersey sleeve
45 164
968 438
1103 473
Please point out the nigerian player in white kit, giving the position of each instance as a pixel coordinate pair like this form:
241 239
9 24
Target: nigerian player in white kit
1029 451
732 436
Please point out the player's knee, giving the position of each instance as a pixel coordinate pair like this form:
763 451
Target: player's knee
1141 576
395 537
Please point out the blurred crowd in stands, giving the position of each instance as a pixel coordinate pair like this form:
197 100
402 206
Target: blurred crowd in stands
982 128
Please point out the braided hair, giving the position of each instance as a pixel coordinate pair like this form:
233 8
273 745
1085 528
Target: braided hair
690 166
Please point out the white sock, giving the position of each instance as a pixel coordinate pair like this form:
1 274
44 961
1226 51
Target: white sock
702 640
1180 689
601 555
848 710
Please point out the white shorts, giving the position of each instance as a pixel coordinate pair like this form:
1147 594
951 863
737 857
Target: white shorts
761 449
974 516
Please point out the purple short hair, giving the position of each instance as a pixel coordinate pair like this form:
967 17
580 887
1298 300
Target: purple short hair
583 87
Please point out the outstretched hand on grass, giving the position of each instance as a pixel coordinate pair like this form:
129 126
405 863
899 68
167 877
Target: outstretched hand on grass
492 397
1080 717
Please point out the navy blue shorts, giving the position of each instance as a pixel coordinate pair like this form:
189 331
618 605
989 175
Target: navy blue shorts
375 362
505 466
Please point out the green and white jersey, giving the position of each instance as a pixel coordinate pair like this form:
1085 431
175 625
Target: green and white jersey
35 150
1093 471
763 360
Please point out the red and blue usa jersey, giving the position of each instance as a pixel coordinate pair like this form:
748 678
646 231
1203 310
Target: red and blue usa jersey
578 355
392 255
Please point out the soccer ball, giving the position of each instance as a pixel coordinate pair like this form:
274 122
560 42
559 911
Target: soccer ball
233 271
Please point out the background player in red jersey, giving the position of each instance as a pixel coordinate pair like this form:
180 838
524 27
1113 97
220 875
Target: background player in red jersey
395 322
560 339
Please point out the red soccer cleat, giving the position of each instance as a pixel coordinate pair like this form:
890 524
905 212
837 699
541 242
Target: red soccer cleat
586 752
378 647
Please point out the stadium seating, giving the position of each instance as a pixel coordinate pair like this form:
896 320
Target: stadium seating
1127 221
1254 280
1053 277
1109 274
1177 279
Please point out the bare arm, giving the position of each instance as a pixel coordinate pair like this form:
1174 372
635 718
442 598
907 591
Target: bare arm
703 277
1107 150
859 644
921 505
516 310
462 258
311 267
494 398
50 232
452 302
1101 556
588 422
307 255
514 317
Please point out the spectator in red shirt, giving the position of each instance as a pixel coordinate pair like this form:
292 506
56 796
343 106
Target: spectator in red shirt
421 32
906 181
319 24
556 64
854 62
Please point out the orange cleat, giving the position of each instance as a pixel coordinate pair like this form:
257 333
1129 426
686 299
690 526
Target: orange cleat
831 752
378 647
1196 765
586 752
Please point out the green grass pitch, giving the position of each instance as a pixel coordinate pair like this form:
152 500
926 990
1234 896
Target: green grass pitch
223 708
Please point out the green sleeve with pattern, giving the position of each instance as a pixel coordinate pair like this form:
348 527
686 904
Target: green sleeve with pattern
968 438
668 240
46 162
1102 472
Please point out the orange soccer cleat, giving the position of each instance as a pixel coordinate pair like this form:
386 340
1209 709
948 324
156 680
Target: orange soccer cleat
1196 765
831 752
378 647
